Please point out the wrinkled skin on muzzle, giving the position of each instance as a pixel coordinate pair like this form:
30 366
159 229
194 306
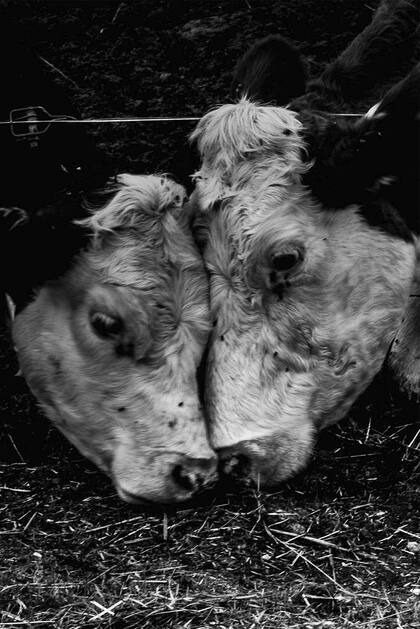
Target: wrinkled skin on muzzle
305 301
111 349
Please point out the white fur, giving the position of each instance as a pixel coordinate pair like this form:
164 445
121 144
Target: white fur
128 401
137 196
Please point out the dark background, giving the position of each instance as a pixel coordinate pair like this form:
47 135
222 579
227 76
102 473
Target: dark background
169 57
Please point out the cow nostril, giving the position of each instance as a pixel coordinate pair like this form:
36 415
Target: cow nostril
237 466
195 474
182 478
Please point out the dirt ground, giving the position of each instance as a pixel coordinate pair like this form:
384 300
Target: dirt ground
336 547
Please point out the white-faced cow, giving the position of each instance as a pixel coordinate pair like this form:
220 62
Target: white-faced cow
111 348
311 268
112 309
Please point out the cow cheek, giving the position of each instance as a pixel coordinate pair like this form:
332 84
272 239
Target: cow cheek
133 418
73 400
70 411
78 408
339 385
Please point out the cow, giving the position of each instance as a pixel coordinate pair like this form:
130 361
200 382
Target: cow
110 306
111 347
307 223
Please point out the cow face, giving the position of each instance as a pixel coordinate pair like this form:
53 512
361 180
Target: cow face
111 349
305 301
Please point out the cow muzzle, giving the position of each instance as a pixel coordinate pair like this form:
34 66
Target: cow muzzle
265 461
169 480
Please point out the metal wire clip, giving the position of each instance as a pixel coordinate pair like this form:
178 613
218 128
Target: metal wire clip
32 121
36 120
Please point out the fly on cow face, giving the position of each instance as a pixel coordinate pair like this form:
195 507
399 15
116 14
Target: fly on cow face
117 343
306 300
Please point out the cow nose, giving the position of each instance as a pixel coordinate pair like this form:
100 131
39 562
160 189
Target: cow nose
170 478
194 475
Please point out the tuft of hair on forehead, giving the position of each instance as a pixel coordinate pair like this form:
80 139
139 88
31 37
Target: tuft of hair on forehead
242 143
138 199
246 130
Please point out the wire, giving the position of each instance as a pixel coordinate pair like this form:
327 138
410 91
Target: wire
99 120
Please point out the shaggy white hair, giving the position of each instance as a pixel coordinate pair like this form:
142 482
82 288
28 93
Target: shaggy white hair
242 142
137 197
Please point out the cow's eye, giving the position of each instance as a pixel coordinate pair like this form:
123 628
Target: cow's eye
286 261
106 326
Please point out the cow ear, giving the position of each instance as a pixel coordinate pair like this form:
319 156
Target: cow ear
272 71
403 360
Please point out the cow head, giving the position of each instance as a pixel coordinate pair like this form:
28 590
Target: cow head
111 348
307 292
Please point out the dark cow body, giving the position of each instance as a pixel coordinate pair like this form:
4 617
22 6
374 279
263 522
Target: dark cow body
352 157
373 161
